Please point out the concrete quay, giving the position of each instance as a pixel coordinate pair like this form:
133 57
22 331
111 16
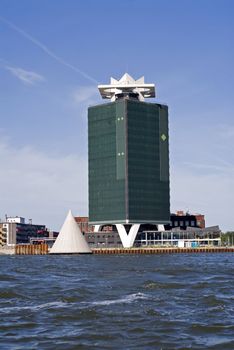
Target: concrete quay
7 251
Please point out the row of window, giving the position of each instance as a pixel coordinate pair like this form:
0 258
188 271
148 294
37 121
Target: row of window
104 236
184 223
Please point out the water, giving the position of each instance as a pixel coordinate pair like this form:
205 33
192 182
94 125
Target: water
117 302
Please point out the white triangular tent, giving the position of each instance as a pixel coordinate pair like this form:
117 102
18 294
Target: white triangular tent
70 239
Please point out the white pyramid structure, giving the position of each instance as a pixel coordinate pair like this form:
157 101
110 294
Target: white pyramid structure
70 239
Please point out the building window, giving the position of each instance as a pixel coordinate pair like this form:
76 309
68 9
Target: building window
192 223
181 223
175 223
186 223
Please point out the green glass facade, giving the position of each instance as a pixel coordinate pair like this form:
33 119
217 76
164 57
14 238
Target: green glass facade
128 163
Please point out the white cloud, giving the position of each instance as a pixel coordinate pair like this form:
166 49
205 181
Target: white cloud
46 49
41 186
226 131
202 170
85 95
205 190
220 166
27 77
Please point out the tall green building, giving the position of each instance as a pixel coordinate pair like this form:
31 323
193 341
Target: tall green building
128 158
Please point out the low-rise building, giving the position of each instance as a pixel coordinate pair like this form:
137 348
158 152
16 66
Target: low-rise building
185 230
184 220
14 230
83 223
3 238
103 239
190 237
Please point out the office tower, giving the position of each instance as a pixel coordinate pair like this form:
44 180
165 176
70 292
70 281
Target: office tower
128 158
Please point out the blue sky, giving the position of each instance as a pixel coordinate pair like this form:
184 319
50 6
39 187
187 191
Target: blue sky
53 54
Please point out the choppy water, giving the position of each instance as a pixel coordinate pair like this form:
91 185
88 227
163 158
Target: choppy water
117 302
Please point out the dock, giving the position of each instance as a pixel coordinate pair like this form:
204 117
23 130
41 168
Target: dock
43 249
169 250
31 249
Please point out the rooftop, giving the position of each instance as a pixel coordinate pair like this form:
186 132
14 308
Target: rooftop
127 85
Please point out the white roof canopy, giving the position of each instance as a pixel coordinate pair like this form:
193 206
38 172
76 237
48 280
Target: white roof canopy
127 85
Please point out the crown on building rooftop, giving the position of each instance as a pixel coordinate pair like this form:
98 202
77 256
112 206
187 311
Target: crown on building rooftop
127 86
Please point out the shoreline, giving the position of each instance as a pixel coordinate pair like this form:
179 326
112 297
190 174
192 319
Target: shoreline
168 250
42 249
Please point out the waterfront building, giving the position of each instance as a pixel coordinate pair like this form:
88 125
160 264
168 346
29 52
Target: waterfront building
103 239
49 238
184 220
3 238
189 237
15 230
83 223
128 159
184 230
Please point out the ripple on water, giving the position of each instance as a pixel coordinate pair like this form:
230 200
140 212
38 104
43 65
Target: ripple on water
163 285
127 302
9 294
212 300
4 277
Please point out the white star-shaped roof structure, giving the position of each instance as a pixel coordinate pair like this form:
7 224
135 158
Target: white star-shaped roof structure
127 85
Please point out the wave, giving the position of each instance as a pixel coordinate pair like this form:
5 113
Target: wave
54 304
60 304
125 300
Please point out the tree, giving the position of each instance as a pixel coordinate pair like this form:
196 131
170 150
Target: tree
227 238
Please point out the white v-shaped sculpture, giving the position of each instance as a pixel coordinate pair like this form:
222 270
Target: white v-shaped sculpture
70 239
127 239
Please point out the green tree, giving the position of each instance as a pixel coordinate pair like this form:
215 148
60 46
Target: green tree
227 238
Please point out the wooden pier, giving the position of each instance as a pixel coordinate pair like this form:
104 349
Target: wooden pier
31 249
